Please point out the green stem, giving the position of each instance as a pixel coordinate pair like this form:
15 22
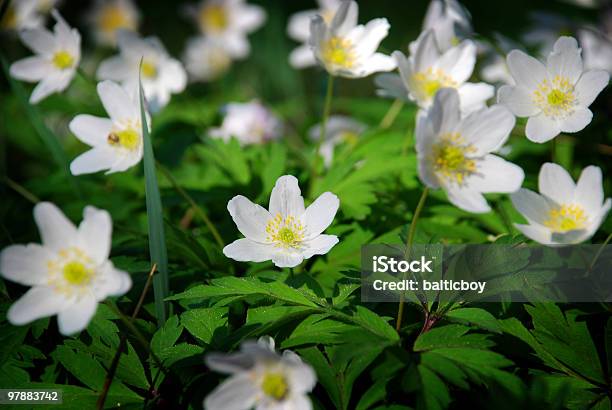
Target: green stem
21 190
406 141
198 210
391 114
504 216
409 241
322 135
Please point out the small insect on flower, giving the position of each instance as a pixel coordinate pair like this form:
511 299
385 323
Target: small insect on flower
250 123
228 23
161 74
564 212
428 69
340 129
116 141
286 234
450 22
205 59
68 274
56 58
346 49
261 378
298 29
454 153
109 16
555 97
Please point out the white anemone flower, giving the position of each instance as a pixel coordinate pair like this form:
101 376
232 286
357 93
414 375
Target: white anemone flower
346 49
287 233
161 76
298 29
261 378
596 49
109 17
454 152
450 22
428 69
228 22
249 123
563 212
340 129
116 141
555 97
27 14
56 58
68 274
205 59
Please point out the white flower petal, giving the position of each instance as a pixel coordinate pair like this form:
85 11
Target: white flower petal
237 45
251 219
319 245
95 233
467 199
535 232
173 76
526 70
534 207
40 41
287 260
44 88
518 99
320 214
230 363
589 190
487 130
30 69
299 402
474 96
376 63
112 282
577 120
445 112
556 183
56 231
94 160
286 198
76 317
541 128
345 18
458 62
90 129
590 85
25 264
426 51
236 393
390 85
114 68
249 18
117 102
36 303
246 250
495 174
368 39
565 60
302 57
298 27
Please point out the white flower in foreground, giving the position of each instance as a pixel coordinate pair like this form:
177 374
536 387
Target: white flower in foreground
205 59
298 29
26 14
428 69
261 378
339 129
287 233
110 16
250 123
116 141
346 49
56 58
68 274
494 68
228 22
449 20
596 50
564 212
555 97
162 75
454 153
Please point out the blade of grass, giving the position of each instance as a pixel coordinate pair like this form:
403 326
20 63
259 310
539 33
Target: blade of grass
157 239
47 137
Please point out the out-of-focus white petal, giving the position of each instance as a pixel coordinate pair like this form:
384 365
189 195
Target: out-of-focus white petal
30 69
56 231
541 128
117 102
76 317
526 70
25 264
534 207
495 174
40 41
94 160
590 85
556 183
468 199
577 120
302 57
95 233
589 190
90 129
36 303
565 60
487 130
236 393
535 232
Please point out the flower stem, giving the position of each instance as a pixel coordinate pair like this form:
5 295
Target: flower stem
21 190
322 135
406 141
391 114
409 240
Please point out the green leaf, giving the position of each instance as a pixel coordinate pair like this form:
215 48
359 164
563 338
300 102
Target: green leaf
374 323
325 374
205 322
475 317
157 240
167 335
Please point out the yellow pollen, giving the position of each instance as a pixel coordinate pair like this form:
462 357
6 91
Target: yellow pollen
149 69
274 385
428 82
450 158
113 18
214 18
555 98
285 232
566 218
351 138
128 139
338 52
63 60
77 274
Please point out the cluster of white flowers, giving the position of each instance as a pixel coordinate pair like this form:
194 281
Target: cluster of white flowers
249 123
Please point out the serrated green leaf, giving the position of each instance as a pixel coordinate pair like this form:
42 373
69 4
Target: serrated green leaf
474 317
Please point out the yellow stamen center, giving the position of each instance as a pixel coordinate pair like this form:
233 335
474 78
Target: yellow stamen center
428 82
113 18
128 138
77 274
149 69
566 218
285 232
274 385
72 271
555 98
450 158
63 60
338 52
214 18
